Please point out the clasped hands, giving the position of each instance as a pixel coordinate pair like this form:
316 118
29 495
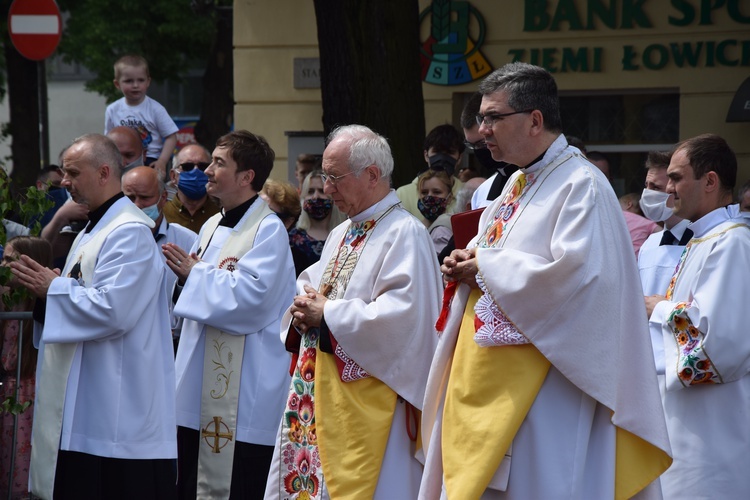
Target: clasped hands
33 275
461 266
307 309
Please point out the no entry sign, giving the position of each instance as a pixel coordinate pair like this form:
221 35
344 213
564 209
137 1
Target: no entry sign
35 27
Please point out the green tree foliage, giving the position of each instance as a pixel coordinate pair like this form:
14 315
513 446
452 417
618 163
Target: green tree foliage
168 33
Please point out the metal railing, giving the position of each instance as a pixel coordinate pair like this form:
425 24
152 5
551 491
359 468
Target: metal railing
21 316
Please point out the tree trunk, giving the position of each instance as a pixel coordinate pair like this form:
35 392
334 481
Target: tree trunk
217 107
370 73
23 100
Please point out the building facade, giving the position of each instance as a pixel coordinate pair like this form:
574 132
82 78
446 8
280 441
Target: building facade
633 75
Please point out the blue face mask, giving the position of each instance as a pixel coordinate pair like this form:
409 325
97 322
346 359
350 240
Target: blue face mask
152 212
193 184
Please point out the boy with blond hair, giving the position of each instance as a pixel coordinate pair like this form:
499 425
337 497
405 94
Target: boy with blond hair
141 113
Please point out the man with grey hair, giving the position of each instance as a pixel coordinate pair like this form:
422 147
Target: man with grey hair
362 337
551 376
105 397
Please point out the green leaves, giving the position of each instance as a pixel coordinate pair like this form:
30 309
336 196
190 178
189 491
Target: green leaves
29 206
167 33
10 405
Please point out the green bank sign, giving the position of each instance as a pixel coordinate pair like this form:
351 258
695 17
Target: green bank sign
595 15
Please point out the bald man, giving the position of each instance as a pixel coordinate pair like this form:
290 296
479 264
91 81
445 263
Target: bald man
144 188
130 146
105 398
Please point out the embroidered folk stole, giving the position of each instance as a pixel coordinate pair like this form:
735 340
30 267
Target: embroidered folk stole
58 359
334 432
222 369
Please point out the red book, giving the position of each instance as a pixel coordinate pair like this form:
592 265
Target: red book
465 226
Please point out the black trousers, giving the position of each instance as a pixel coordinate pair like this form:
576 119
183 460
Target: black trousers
80 475
249 470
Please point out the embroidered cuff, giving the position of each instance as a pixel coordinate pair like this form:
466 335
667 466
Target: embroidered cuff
693 364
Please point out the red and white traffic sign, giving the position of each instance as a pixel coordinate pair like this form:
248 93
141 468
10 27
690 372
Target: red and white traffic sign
35 27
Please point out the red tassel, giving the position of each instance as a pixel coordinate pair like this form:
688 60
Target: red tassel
448 293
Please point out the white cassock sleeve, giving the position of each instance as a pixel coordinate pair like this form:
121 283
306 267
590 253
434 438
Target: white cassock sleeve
244 301
126 279
705 336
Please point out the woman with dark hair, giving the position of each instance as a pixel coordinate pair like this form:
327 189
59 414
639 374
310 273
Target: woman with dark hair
41 251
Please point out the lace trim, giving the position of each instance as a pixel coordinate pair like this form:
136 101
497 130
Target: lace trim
351 370
493 328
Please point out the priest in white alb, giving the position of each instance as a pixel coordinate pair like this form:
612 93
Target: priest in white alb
661 251
705 355
543 385
231 366
104 414
362 337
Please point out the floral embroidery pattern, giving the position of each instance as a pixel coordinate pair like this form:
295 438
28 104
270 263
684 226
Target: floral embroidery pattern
693 364
300 459
356 233
224 375
676 273
491 325
298 238
507 209
301 469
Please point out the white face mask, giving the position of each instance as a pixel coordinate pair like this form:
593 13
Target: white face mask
654 205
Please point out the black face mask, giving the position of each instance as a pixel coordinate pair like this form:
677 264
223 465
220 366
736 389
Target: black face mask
442 161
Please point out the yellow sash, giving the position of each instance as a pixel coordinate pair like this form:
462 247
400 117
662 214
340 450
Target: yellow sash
637 464
353 421
510 378
476 435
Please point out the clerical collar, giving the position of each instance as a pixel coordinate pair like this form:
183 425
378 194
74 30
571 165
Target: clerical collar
230 218
537 159
96 215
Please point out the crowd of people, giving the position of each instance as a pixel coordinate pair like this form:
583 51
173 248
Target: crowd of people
209 332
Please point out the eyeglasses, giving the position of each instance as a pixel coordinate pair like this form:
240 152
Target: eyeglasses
334 178
490 118
473 146
189 165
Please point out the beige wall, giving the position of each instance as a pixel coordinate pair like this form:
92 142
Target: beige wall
268 36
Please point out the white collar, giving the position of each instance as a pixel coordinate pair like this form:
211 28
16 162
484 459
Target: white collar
380 206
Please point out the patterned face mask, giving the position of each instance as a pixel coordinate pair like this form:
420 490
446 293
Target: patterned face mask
431 207
317 208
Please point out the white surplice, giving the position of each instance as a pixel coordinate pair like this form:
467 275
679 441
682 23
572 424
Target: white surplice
183 238
385 323
566 277
249 301
656 262
705 338
120 394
